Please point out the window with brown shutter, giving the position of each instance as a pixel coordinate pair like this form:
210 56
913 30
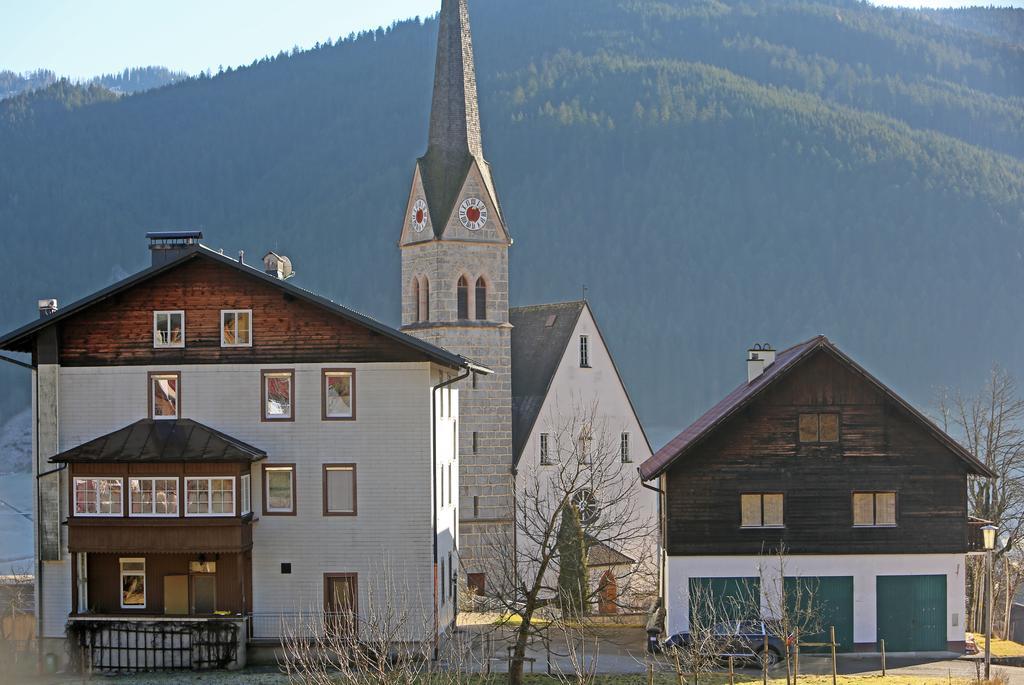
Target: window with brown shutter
874 509
819 428
761 510
339 490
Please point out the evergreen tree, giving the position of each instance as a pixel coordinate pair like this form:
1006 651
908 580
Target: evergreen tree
572 562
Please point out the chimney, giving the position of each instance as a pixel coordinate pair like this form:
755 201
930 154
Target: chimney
278 266
47 307
167 246
759 358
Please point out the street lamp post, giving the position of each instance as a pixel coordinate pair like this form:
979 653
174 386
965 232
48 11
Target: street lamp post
989 538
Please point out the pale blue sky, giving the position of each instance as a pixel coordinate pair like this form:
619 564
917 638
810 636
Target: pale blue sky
81 38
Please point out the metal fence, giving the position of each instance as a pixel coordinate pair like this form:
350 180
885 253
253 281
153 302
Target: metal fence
132 646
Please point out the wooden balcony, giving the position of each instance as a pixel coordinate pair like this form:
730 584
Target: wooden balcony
152 535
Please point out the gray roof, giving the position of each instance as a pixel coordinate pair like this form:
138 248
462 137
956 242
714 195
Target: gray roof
150 441
455 136
20 340
600 554
537 348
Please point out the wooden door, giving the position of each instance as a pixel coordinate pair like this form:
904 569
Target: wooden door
341 601
204 594
176 595
608 594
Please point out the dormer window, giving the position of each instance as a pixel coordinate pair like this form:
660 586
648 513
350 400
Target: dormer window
168 330
236 328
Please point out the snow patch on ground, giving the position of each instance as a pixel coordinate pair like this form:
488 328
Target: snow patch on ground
16 444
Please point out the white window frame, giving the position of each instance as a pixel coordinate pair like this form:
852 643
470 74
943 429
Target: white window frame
291 489
152 480
585 352
98 514
121 576
624 446
545 449
209 496
156 331
245 483
225 312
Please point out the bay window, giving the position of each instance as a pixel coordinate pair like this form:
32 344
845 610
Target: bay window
210 496
153 497
98 497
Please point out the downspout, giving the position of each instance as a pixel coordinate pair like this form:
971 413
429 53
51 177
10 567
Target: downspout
433 477
661 537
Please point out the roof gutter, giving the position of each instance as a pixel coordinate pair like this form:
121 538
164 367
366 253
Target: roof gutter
433 479
23 365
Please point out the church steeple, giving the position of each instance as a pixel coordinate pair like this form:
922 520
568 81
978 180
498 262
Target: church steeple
455 114
455 144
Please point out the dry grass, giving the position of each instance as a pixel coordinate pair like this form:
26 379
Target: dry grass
670 679
1000 648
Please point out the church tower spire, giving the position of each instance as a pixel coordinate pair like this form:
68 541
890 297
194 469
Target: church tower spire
454 248
455 113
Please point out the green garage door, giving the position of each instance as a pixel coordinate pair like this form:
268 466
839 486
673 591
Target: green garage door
724 599
827 601
912 613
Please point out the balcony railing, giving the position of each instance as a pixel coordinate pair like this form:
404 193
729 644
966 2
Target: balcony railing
975 538
119 644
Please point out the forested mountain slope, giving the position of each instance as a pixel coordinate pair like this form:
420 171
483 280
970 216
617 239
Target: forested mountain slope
134 80
716 172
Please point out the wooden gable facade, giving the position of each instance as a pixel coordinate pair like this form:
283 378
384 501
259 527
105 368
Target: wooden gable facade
286 328
881 447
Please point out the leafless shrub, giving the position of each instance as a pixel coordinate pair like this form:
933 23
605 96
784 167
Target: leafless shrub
387 640
585 472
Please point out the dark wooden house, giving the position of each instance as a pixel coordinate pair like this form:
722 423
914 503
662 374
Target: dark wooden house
862 493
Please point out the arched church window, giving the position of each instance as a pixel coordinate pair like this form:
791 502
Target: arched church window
423 306
416 299
481 299
462 298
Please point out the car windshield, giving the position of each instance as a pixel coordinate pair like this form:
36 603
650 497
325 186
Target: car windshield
751 628
725 628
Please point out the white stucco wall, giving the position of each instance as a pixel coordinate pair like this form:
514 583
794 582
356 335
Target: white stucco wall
864 569
389 543
574 391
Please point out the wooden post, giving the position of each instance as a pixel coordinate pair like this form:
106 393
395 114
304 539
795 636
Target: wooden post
832 633
764 659
679 669
732 672
650 674
883 658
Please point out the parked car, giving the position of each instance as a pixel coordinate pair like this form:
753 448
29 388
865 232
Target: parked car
742 640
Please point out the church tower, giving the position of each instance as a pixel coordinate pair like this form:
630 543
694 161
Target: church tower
454 248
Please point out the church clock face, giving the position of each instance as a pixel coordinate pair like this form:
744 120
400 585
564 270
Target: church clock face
473 214
419 215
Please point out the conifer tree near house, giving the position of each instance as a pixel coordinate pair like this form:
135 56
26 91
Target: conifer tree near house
572 569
